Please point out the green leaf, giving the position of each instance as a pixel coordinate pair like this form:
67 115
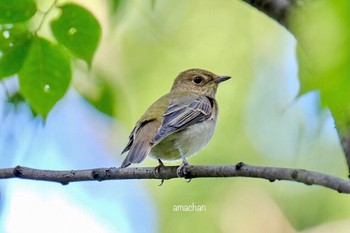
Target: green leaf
78 30
45 75
14 45
14 11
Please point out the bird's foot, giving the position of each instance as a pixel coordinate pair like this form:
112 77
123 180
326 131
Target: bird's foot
161 182
157 168
181 170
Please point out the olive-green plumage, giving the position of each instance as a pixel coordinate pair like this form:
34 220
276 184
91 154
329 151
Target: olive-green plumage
178 124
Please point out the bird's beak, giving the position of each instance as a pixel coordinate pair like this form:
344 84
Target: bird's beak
221 79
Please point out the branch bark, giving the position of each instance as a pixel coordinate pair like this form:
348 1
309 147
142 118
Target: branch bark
170 172
279 10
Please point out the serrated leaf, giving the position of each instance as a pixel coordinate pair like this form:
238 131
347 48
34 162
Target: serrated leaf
12 11
14 45
45 75
78 30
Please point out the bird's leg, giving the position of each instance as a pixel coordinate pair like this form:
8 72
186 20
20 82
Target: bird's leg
157 170
181 170
161 164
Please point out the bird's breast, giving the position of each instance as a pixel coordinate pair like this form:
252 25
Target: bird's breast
196 137
190 141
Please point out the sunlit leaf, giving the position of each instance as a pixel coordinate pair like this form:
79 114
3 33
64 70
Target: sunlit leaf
14 45
78 30
14 11
45 75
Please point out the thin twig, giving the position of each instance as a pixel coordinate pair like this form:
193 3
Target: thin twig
169 172
45 14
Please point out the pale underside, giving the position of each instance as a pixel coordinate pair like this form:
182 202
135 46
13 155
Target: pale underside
188 141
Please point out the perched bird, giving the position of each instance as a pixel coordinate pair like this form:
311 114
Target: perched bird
178 124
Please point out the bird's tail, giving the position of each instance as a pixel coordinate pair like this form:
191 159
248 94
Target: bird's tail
138 152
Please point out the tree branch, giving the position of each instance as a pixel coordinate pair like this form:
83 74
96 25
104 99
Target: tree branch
279 10
170 172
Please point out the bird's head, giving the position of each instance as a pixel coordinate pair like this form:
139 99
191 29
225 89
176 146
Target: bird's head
199 81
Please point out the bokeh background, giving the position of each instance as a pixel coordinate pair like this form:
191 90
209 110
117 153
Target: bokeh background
145 44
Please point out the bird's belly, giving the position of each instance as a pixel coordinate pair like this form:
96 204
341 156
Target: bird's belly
188 141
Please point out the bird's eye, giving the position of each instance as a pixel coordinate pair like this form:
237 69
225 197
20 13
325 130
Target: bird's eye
197 80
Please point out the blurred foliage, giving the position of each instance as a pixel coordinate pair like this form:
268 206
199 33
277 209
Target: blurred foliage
105 96
323 55
16 11
260 120
114 5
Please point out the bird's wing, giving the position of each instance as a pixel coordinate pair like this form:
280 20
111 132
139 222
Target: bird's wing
179 116
140 139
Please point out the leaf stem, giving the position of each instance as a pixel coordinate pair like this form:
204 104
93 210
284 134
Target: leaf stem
45 14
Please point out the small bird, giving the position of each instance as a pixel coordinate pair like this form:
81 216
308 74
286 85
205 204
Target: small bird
178 124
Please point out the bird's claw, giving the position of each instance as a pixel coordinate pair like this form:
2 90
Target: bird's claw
181 170
161 182
157 168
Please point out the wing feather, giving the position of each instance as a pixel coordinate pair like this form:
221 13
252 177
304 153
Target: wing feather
179 116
